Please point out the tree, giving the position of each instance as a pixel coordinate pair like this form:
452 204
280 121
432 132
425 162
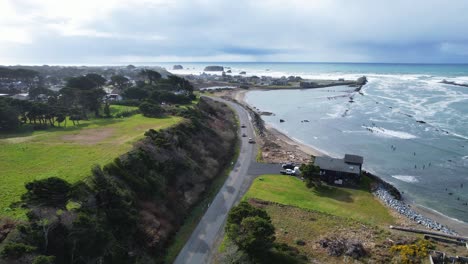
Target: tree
243 210
135 93
181 84
84 92
98 80
254 235
151 76
8 116
81 83
120 81
311 174
250 228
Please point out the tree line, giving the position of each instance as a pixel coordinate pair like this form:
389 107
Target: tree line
84 95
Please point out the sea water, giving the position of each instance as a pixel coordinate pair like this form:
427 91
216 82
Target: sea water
411 129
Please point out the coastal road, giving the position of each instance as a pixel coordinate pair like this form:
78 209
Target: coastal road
201 244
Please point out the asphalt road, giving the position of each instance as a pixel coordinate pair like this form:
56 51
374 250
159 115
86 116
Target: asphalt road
201 245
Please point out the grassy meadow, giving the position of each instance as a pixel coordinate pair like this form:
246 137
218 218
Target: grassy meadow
68 153
357 204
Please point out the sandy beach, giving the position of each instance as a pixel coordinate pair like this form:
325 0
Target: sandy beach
277 147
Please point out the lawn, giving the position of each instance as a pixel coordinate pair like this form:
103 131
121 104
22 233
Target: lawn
68 153
117 109
357 204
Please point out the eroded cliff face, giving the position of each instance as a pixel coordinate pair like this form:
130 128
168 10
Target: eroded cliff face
169 170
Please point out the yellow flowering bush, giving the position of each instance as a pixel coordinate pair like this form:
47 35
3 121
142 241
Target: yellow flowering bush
413 253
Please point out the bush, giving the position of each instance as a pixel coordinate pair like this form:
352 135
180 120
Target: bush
128 102
16 250
151 110
413 253
127 113
41 259
51 191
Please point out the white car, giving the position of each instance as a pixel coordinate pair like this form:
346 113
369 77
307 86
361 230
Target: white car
251 141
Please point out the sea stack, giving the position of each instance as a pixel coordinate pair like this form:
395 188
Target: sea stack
361 80
214 68
177 67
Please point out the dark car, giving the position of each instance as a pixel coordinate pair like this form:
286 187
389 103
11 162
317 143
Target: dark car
289 165
244 135
243 126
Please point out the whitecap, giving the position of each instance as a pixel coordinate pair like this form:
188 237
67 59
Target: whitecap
406 178
380 131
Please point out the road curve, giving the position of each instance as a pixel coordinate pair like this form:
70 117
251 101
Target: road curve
201 245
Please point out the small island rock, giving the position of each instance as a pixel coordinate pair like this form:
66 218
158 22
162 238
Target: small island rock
214 68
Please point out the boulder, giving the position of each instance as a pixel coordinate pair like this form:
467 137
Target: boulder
361 80
177 67
214 68
242 72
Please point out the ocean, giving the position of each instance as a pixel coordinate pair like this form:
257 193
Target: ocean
411 129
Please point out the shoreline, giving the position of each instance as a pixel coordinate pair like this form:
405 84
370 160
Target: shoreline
453 224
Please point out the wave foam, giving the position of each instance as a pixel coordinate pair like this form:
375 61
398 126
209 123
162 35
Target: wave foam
380 131
406 178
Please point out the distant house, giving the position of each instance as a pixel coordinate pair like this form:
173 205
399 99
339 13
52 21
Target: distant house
280 82
21 96
113 97
340 171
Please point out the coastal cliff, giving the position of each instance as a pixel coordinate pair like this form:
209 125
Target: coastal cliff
129 210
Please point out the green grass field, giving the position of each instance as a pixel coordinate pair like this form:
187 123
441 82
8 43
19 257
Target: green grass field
357 204
68 153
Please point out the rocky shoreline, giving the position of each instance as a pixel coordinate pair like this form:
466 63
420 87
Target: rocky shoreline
401 207
386 192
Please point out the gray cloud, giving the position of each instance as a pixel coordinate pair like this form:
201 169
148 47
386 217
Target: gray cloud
270 30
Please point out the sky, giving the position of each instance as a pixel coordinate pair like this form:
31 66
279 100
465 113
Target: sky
109 32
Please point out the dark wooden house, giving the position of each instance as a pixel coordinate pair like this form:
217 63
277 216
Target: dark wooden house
346 171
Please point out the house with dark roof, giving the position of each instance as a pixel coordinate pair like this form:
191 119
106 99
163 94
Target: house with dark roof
340 171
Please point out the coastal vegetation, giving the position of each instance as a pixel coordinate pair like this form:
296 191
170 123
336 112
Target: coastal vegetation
68 153
128 210
251 234
358 204
328 224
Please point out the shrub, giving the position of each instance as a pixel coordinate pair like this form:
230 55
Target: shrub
127 113
41 259
51 191
151 110
16 250
413 253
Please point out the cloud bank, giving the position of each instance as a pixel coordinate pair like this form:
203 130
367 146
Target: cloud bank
119 31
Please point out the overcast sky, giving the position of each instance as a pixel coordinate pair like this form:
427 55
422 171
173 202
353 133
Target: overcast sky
128 31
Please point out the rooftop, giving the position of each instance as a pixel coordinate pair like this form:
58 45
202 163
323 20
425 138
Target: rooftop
333 164
353 159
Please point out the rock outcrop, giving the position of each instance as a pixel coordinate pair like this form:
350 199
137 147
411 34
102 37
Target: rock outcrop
361 80
177 67
214 68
